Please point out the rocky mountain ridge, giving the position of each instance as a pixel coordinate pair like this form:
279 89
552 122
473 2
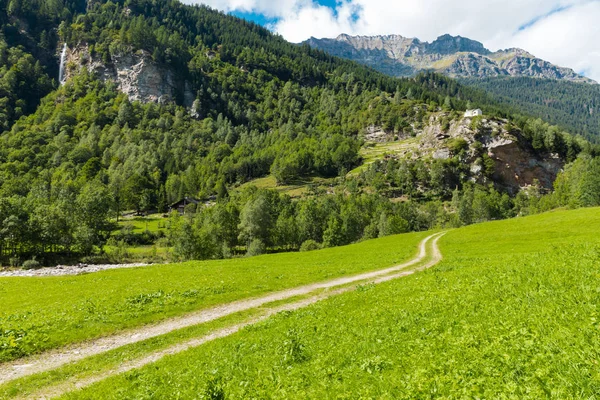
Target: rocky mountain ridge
454 56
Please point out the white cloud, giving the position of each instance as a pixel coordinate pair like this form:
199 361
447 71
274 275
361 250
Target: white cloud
270 8
566 37
316 20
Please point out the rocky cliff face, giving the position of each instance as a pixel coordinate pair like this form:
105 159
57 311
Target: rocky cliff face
135 74
516 164
451 55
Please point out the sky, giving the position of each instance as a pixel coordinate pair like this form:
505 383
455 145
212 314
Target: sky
564 32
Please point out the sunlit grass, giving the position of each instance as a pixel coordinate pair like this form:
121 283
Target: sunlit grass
300 188
511 312
372 152
43 313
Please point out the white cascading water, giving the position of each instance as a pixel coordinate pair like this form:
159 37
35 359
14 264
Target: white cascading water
61 71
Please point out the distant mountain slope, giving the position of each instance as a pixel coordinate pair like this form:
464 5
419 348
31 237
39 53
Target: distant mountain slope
530 86
454 56
572 105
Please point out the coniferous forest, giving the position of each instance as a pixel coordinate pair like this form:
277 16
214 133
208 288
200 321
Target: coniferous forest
574 106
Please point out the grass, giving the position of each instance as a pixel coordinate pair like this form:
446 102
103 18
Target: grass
152 223
444 63
63 378
511 312
377 151
297 189
89 367
42 313
142 252
100 363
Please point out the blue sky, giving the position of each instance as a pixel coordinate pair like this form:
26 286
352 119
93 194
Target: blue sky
264 20
564 32
260 19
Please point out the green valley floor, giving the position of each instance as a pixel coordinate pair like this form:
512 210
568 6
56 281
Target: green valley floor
510 312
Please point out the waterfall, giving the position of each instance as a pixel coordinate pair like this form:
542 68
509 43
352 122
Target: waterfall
61 71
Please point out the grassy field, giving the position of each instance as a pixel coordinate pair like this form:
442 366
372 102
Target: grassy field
142 252
377 151
42 313
298 189
156 224
511 312
152 223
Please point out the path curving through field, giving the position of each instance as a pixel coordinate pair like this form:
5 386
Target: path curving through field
56 358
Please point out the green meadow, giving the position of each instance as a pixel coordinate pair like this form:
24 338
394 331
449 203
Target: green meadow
38 314
511 312
152 223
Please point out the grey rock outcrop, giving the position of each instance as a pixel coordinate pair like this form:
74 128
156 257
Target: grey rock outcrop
136 75
516 165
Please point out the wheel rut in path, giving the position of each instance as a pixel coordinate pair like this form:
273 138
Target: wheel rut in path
56 358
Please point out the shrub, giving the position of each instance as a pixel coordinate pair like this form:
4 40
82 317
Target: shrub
310 245
256 248
31 264
457 145
226 251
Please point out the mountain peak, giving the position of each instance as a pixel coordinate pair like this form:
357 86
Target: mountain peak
448 44
517 51
455 56
345 36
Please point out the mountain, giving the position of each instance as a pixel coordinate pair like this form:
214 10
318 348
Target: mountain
453 56
514 78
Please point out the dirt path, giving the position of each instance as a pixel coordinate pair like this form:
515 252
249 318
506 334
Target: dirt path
57 358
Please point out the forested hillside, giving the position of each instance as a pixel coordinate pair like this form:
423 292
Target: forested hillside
70 165
574 106
521 83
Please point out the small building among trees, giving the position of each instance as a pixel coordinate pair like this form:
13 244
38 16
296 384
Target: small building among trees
182 204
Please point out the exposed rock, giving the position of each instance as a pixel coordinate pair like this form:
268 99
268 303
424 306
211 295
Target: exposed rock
377 134
442 154
476 169
63 270
448 44
136 75
516 165
451 55
518 168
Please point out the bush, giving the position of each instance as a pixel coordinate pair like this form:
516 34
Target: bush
310 245
457 145
31 264
256 248
14 261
